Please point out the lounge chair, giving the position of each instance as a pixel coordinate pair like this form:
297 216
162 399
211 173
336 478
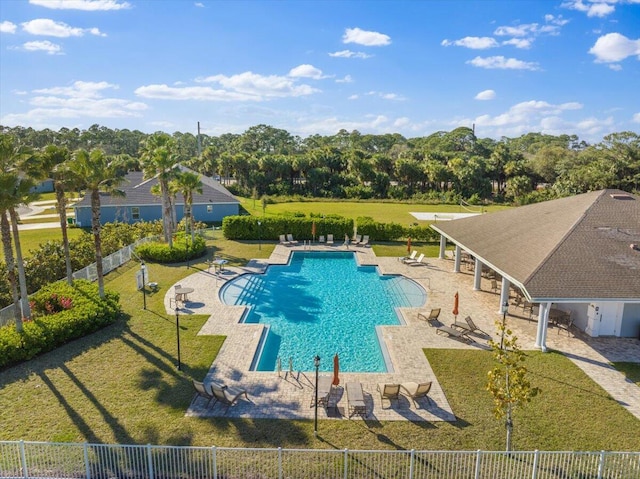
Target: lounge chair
365 241
329 239
324 391
412 256
321 239
284 241
389 392
356 239
416 390
442 329
418 260
433 315
291 240
468 326
227 395
201 391
355 399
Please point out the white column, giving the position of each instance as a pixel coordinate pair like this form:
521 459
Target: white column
477 276
543 323
443 246
456 263
504 293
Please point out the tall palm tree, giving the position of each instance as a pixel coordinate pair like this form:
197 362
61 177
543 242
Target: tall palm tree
6 185
187 183
53 162
14 192
159 160
96 173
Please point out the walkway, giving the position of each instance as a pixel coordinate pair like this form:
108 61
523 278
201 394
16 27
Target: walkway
289 394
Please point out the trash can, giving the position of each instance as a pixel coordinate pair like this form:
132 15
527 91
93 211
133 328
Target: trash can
71 221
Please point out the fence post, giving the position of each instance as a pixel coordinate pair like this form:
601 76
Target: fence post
413 451
150 461
478 460
87 469
23 460
536 455
214 454
601 465
346 460
280 463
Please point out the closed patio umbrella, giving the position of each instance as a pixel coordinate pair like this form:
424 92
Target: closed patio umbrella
313 230
455 306
336 370
409 245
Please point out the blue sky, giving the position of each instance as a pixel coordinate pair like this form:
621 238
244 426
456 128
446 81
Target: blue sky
315 67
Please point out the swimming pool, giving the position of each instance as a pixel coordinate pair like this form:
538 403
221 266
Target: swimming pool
322 303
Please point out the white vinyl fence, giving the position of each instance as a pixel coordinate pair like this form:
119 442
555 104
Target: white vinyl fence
109 263
19 459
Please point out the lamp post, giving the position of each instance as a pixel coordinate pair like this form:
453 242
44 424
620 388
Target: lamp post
178 335
316 362
143 268
504 309
259 236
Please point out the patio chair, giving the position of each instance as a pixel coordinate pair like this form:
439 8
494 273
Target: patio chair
329 239
413 261
388 392
365 241
418 262
284 241
227 395
468 326
201 391
321 239
356 239
411 257
452 333
291 240
433 315
417 391
324 391
355 399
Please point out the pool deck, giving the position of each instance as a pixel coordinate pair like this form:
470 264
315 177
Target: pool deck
289 395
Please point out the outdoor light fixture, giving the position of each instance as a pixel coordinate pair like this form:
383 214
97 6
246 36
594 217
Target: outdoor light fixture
259 236
316 362
178 334
143 268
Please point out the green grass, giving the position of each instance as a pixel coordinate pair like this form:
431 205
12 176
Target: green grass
630 370
31 239
121 385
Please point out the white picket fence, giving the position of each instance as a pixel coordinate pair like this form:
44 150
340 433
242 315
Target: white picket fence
20 459
109 263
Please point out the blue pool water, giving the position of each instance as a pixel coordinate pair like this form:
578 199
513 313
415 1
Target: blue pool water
322 303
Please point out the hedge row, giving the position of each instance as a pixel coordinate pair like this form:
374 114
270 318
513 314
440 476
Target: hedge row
61 313
270 229
300 226
182 250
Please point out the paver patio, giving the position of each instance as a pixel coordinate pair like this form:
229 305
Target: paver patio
289 395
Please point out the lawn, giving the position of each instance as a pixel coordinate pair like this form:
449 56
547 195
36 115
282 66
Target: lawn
31 239
121 385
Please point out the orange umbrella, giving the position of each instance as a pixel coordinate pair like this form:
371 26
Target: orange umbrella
409 245
336 370
455 305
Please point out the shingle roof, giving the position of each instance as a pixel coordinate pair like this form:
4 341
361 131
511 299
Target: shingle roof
138 192
575 248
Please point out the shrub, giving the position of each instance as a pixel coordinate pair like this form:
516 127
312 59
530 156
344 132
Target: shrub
393 231
246 227
81 312
182 250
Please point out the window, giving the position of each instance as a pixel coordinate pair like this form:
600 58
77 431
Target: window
209 208
135 212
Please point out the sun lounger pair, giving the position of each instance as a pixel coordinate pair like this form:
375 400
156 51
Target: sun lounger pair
217 392
361 241
412 390
468 326
411 257
440 328
415 262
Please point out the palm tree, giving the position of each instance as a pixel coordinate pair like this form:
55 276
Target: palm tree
96 173
186 183
158 160
53 162
6 184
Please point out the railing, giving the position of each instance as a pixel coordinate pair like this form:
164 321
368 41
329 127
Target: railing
109 263
21 459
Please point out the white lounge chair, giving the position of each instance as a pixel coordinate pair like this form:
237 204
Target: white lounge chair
329 239
419 262
411 257
284 241
356 239
415 261
291 240
365 241
417 390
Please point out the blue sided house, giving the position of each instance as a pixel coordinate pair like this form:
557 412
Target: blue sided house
139 204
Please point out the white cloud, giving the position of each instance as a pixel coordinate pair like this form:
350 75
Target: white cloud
79 100
45 26
616 67
43 46
486 95
593 8
353 97
386 96
252 86
517 31
202 93
8 27
306 71
502 63
366 38
475 43
614 47
519 42
636 118
349 54
199 4
88 5
346 79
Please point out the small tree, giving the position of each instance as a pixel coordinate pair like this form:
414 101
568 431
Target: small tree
508 383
